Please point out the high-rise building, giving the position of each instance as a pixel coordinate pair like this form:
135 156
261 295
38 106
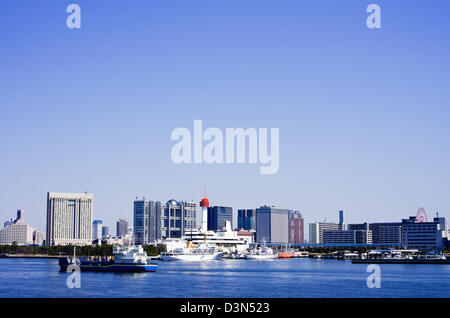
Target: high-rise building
105 231
177 217
296 230
121 228
154 221
69 218
316 231
246 219
273 225
341 220
217 216
141 221
97 229
17 231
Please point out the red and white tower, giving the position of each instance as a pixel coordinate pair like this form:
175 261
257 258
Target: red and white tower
204 204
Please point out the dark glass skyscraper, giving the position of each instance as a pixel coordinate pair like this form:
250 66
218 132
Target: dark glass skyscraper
341 220
247 219
217 215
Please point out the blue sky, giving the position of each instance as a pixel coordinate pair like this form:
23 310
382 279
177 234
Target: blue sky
364 115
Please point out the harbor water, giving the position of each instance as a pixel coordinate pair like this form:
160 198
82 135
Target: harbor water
279 278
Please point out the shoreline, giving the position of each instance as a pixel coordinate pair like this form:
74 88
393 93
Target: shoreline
401 261
29 256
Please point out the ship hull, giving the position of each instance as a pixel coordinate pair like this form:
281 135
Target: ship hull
286 255
274 256
127 268
110 267
192 258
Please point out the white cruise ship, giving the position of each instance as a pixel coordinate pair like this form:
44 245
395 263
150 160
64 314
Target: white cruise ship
203 244
226 240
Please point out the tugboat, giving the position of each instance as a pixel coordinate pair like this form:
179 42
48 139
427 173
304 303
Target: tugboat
126 259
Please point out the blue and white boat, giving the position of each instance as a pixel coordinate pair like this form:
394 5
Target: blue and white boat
126 259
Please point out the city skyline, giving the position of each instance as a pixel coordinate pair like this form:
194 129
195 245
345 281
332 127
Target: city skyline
363 114
308 221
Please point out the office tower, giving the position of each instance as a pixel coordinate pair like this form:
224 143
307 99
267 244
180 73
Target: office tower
316 231
247 219
276 225
69 218
154 221
217 216
424 235
141 221
155 213
386 233
272 225
296 230
176 218
97 229
189 215
121 228
341 220
105 231
17 231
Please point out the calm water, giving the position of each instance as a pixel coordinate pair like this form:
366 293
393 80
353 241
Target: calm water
228 278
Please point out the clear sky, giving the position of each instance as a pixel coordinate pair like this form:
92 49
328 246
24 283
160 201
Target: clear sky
364 114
